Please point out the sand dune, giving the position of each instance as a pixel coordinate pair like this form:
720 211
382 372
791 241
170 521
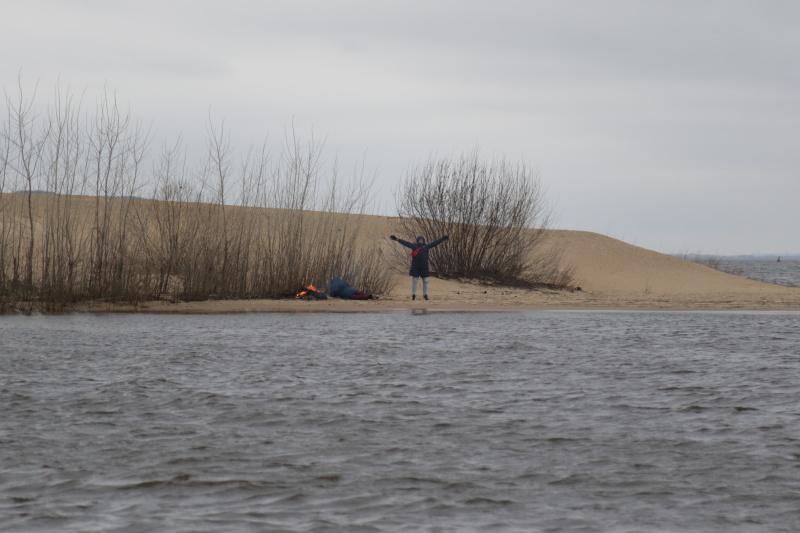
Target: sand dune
609 265
611 275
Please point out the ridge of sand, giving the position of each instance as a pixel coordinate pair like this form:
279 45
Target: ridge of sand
611 274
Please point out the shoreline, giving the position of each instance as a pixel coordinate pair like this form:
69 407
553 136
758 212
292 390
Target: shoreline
609 275
779 299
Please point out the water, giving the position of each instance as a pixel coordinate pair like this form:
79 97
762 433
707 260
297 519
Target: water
541 421
785 272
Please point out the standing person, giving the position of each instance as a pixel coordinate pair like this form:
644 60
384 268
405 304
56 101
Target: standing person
419 262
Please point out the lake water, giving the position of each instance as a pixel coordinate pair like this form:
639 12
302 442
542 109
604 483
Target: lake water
785 272
425 422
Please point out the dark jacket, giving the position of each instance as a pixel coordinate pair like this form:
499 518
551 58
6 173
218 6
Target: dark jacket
341 289
419 264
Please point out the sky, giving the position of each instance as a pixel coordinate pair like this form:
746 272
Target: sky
674 126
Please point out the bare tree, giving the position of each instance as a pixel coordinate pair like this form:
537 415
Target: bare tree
117 146
26 142
493 210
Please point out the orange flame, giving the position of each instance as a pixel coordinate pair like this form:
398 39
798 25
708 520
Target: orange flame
307 289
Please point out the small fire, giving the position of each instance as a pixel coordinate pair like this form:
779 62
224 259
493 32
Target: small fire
309 290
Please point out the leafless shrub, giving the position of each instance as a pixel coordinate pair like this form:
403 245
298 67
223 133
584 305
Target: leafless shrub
259 227
495 214
315 232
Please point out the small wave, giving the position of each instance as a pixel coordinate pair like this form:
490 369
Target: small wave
693 409
572 479
487 501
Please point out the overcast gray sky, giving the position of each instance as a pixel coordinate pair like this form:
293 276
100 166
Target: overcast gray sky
673 125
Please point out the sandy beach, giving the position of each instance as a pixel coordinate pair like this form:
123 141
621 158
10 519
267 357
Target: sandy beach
610 274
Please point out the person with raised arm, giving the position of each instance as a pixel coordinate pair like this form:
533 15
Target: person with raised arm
419 262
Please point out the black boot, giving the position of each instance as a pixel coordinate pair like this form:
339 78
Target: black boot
425 296
413 296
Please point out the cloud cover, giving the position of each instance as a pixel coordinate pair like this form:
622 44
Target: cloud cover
671 125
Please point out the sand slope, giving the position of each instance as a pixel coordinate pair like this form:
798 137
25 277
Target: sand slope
608 265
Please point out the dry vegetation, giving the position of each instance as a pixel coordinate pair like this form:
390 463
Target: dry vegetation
495 214
73 227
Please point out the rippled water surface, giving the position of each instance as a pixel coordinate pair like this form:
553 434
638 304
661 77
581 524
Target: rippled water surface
542 421
785 273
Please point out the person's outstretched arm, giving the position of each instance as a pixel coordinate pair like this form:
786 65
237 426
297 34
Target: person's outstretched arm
405 243
437 242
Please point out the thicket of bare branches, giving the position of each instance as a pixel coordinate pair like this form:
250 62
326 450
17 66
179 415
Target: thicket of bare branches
73 229
495 213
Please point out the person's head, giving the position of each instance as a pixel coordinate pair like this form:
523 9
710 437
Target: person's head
421 240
